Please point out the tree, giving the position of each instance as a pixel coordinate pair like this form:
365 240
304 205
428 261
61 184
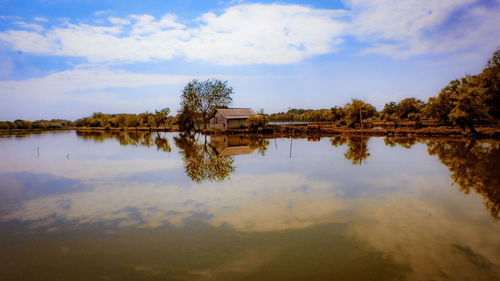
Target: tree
358 111
409 108
470 100
161 116
389 111
470 104
202 98
338 114
439 107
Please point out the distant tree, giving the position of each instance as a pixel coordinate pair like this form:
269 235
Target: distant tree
389 111
439 107
357 110
338 114
471 100
470 104
203 98
409 108
161 116
186 120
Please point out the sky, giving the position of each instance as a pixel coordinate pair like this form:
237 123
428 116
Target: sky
69 58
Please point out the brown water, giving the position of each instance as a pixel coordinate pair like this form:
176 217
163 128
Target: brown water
83 206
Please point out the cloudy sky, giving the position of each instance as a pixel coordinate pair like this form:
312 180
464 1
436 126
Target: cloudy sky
67 59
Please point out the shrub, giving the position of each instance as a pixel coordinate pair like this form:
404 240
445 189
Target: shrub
256 121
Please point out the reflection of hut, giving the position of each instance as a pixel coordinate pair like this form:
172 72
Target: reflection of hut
230 118
230 145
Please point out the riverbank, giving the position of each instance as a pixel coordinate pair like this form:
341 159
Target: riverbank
324 130
302 130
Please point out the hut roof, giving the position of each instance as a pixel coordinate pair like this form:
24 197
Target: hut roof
236 113
236 150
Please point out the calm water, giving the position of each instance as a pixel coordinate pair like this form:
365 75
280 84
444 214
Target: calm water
160 206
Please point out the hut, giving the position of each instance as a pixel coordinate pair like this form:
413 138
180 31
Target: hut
230 118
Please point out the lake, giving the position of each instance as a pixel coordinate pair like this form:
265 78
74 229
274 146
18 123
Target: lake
161 206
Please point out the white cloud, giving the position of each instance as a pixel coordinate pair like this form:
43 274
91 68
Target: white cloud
243 34
272 33
277 34
419 27
64 83
41 19
118 21
32 26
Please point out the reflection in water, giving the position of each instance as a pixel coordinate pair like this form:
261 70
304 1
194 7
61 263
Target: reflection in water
201 160
406 142
135 138
275 218
226 145
357 147
212 160
473 165
22 186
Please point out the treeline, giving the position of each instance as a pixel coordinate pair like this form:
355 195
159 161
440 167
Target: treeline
39 124
466 102
158 119
409 109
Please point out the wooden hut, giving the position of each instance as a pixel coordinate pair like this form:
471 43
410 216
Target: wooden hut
230 118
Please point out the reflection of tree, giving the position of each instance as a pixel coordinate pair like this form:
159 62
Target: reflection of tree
473 165
129 138
406 142
162 143
260 144
357 147
338 140
201 160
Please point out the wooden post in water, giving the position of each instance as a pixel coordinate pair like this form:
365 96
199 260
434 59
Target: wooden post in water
38 151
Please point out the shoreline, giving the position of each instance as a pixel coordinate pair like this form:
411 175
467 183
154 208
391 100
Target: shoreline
328 130
303 130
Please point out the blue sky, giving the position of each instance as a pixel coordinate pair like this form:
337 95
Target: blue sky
67 59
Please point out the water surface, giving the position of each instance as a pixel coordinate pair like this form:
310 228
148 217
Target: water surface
160 206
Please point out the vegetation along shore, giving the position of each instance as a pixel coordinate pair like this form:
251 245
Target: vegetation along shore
469 106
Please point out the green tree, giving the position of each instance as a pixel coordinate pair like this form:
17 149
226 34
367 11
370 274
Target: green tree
161 116
439 107
389 111
338 114
409 108
473 99
202 98
469 104
358 111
